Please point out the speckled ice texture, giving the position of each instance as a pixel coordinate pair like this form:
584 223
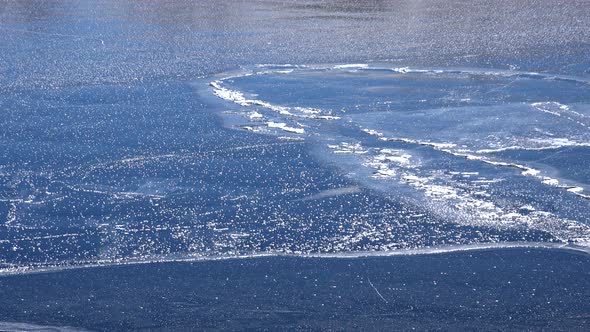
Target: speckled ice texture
287 134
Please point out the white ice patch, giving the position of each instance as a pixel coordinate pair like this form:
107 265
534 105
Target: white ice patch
352 66
531 172
239 98
372 132
576 190
255 116
550 181
283 126
388 163
229 95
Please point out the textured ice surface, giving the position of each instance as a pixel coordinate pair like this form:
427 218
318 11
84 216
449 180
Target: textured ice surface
435 133
115 150
114 147
352 159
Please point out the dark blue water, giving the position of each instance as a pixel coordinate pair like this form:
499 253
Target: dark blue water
133 132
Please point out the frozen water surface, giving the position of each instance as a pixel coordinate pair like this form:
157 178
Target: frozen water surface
450 140
135 132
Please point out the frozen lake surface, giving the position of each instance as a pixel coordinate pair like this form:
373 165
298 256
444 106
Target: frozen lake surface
290 133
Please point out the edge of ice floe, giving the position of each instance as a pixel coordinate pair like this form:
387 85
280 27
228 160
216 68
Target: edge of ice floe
525 170
583 248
